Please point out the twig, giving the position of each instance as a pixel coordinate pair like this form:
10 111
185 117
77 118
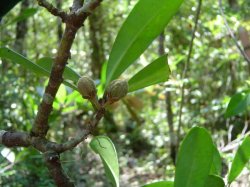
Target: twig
53 10
88 7
75 141
187 65
232 34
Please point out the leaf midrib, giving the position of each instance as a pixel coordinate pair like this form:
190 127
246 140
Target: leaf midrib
131 43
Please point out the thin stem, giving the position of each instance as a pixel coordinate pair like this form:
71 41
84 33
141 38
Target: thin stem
242 52
187 63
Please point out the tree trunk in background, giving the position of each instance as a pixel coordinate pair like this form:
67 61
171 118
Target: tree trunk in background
245 40
21 30
96 42
59 22
169 111
233 3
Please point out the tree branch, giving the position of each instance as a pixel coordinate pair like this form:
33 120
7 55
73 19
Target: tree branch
88 7
73 23
52 160
53 10
14 139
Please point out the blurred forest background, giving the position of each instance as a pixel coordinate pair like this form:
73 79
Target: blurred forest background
145 127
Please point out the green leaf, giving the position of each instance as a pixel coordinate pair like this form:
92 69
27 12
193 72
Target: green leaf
24 15
17 58
214 181
242 156
156 72
145 22
217 163
21 60
103 146
239 103
160 184
69 74
61 94
194 159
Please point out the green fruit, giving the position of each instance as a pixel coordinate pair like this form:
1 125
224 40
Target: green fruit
86 87
116 90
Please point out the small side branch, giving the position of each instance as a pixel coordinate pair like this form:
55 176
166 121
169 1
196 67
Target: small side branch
14 139
75 141
88 7
53 10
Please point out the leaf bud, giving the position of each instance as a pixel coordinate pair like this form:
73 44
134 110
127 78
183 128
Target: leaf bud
116 90
86 87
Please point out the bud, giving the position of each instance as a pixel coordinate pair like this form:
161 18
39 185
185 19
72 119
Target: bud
116 90
86 87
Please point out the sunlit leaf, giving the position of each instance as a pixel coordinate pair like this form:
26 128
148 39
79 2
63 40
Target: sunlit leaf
145 22
241 158
195 158
160 184
239 103
103 146
156 72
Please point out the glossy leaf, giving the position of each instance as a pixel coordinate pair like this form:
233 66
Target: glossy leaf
195 158
103 146
69 74
239 103
156 72
160 184
241 158
145 22
217 163
17 58
214 181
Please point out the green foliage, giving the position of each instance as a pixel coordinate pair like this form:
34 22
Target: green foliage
160 184
29 12
145 22
156 72
103 146
15 57
238 104
216 167
214 181
241 158
194 159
